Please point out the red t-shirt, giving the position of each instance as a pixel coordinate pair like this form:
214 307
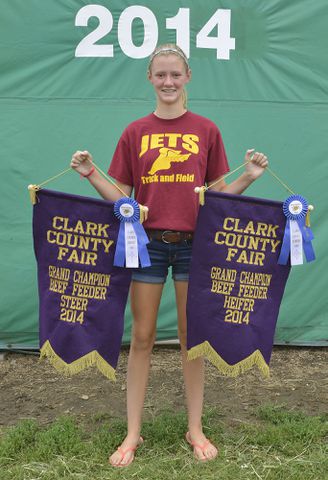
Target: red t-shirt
164 160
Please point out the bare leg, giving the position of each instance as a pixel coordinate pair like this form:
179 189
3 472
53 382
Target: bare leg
193 372
145 299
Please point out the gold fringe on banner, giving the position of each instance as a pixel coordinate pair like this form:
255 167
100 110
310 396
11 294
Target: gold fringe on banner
92 358
256 358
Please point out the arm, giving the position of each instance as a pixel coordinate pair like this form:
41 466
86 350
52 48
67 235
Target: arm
253 170
82 163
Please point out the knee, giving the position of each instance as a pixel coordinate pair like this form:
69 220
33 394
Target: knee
142 341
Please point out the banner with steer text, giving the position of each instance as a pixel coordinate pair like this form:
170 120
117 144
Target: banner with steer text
236 284
82 295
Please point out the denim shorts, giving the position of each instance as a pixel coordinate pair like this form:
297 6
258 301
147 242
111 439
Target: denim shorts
162 256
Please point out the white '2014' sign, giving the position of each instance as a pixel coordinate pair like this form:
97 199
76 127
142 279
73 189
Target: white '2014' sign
221 42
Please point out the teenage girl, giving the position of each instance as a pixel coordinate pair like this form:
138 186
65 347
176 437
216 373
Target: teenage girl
163 157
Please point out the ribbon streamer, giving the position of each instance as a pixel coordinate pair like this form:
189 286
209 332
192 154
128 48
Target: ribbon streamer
132 239
297 236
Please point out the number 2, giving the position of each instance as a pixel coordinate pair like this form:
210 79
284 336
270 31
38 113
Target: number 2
87 47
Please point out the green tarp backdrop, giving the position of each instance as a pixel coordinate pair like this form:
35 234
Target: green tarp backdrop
73 75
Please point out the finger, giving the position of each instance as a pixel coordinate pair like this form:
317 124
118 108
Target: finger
263 162
77 156
86 156
258 158
250 153
81 153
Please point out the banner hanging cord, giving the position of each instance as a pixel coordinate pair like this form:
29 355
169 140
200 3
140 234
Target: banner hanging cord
110 180
143 210
42 184
54 177
245 163
279 180
201 190
34 188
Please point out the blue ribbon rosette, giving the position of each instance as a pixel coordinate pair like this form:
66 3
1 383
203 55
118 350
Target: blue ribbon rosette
132 239
297 236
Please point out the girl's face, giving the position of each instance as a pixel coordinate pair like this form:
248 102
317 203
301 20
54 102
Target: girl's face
168 75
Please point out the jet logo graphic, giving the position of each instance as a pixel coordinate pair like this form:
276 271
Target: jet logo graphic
166 157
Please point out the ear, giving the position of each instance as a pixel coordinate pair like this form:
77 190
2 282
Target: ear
149 76
188 75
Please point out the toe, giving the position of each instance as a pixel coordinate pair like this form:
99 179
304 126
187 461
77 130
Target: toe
210 452
199 454
124 455
115 459
127 459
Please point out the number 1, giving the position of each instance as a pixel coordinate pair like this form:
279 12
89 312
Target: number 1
181 24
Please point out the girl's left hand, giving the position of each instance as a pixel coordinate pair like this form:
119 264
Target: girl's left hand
257 165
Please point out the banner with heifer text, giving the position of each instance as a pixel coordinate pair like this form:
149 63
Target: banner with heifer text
82 295
236 285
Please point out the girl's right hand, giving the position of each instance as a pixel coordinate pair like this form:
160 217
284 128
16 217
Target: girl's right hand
82 162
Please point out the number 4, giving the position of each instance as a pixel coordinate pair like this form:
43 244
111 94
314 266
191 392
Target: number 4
223 43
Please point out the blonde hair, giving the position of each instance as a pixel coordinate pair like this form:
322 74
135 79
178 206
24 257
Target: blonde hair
169 49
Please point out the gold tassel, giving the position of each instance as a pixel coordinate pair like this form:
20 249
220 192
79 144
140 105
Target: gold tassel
143 213
32 189
202 196
307 218
256 358
92 358
201 191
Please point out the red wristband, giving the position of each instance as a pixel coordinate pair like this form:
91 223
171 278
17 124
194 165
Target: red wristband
89 173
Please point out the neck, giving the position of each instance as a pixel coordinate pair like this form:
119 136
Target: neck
169 111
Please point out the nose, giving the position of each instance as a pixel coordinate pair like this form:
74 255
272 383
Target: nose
168 80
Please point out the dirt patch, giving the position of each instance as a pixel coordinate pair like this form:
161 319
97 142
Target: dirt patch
33 389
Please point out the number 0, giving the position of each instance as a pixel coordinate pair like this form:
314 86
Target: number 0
125 31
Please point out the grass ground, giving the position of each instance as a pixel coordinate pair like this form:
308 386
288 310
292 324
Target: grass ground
277 445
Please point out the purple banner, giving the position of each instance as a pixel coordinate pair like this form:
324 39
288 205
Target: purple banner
82 295
236 285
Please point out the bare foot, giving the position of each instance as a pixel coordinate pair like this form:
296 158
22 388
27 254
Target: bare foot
124 455
203 449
